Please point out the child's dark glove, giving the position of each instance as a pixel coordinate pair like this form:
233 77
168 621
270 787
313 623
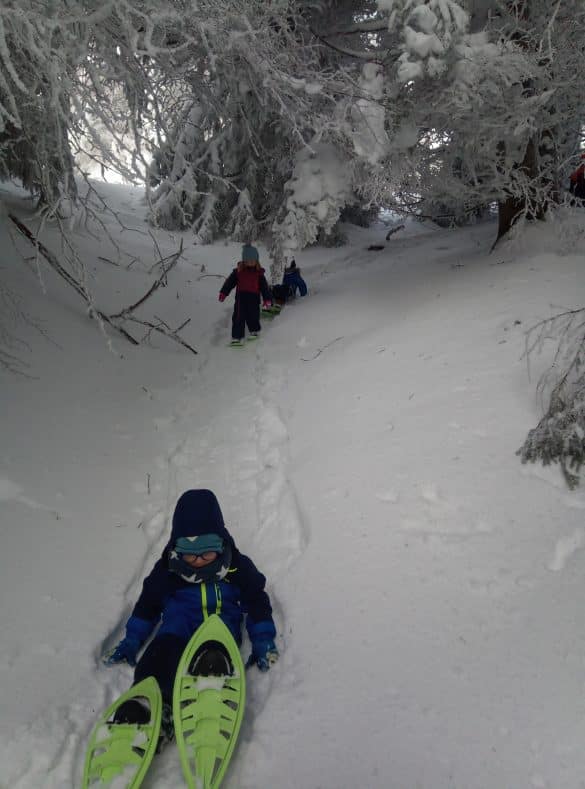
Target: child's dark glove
222 296
137 631
124 652
264 654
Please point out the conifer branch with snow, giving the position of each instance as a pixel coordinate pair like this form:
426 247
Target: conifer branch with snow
559 436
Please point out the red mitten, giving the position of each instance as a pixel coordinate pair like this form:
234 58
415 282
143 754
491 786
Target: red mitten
222 296
267 304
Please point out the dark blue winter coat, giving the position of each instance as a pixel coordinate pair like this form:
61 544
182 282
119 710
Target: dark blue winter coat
183 605
292 278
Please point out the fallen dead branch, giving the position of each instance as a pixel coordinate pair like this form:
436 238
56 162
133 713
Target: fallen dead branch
163 328
160 282
69 279
127 314
393 230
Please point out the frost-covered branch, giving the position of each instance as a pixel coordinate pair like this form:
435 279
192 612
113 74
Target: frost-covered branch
559 437
12 348
212 101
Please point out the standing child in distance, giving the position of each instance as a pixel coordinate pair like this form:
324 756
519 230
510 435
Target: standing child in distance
250 283
200 572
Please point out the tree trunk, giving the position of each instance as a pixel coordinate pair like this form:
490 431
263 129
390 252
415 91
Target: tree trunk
512 208
508 212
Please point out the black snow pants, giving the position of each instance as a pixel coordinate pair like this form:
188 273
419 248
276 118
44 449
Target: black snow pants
161 660
246 313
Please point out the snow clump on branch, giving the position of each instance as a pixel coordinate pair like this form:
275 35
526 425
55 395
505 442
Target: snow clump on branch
317 191
429 28
369 137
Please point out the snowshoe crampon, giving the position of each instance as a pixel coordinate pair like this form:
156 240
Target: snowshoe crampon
208 704
119 753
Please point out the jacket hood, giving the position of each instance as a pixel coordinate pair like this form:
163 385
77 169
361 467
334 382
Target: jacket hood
198 512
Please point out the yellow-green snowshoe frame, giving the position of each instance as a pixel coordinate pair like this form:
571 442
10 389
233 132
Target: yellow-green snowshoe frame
124 749
208 711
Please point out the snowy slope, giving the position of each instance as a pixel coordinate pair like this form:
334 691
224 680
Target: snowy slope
427 587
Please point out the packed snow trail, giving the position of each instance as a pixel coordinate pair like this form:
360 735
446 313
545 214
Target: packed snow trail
224 433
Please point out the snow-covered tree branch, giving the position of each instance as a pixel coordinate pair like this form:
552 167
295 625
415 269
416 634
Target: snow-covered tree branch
559 437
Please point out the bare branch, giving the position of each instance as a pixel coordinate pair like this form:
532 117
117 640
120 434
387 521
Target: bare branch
160 282
320 350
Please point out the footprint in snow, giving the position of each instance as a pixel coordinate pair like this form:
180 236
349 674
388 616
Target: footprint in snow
565 548
389 496
430 492
574 503
10 491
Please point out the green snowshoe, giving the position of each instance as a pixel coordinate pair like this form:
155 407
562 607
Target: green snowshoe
269 313
120 752
208 704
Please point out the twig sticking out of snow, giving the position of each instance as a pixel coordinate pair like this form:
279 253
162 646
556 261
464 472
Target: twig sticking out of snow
393 230
320 350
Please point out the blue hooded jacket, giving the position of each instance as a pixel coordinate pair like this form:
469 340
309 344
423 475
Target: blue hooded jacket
292 279
181 604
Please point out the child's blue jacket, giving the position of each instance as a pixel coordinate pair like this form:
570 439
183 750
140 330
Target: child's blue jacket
292 278
181 606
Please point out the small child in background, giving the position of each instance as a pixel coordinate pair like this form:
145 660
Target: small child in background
292 279
200 572
250 283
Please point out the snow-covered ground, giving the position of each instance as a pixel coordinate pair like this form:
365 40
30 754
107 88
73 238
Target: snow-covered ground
428 588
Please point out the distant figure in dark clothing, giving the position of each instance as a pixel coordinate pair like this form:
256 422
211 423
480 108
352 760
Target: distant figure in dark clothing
292 279
577 181
250 283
